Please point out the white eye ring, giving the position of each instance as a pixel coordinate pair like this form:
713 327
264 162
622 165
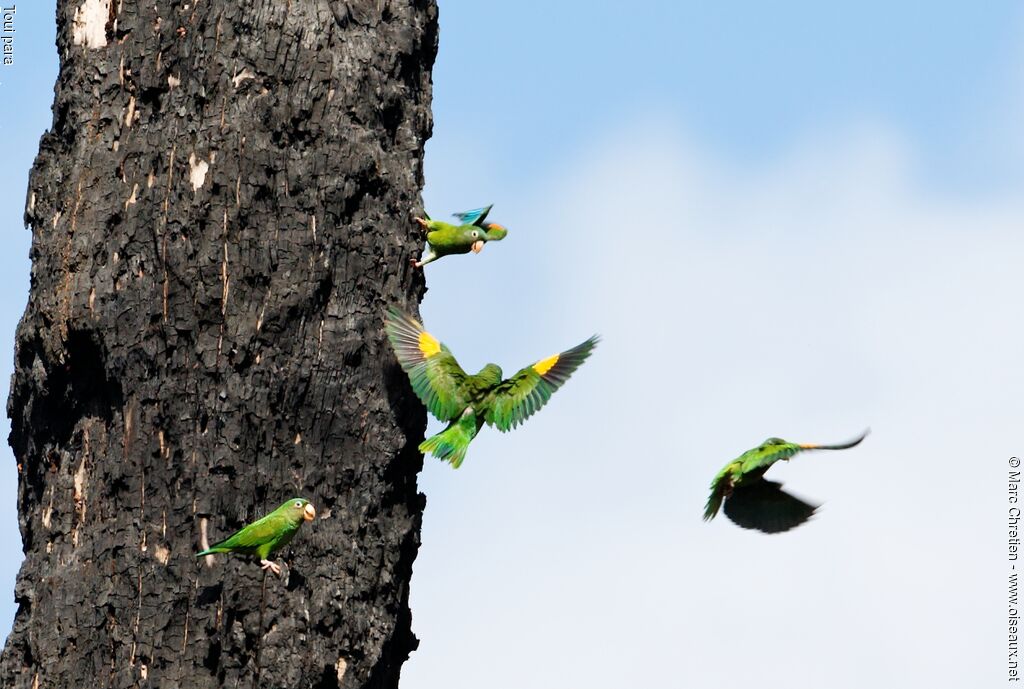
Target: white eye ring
298 503
475 234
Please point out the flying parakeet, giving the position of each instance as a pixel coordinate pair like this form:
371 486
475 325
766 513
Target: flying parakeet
466 401
265 535
753 503
469 235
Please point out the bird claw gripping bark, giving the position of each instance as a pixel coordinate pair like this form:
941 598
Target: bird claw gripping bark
272 566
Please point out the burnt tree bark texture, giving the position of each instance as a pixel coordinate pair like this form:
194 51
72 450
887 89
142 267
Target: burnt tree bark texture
220 215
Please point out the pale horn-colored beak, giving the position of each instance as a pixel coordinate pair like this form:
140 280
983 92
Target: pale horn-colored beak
478 246
309 514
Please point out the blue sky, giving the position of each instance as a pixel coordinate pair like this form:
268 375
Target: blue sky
794 220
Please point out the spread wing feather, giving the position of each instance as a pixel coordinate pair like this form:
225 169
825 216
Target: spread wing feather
473 217
436 377
516 399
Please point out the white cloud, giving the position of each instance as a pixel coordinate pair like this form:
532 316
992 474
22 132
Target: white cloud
807 299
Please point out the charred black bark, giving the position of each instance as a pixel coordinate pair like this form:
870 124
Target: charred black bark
220 214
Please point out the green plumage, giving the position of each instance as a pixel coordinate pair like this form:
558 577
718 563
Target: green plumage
268 534
739 480
469 401
471 234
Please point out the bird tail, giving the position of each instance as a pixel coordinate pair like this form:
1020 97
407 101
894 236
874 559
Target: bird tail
714 500
211 550
841 446
451 443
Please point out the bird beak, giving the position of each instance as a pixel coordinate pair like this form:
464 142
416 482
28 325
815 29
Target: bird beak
309 514
478 246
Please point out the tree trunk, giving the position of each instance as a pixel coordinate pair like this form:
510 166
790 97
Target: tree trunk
220 215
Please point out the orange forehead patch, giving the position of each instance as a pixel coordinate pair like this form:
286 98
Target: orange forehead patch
544 365
429 344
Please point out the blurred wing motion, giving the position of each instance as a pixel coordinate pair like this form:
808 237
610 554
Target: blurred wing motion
475 216
518 398
764 506
436 377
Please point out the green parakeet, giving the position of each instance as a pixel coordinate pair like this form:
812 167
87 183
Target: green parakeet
753 503
466 401
469 235
265 535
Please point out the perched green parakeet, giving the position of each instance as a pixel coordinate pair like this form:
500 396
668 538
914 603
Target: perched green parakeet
753 503
466 401
265 535
469 235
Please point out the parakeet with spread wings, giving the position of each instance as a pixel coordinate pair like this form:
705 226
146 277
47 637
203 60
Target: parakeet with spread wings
469 235
753 503
469 401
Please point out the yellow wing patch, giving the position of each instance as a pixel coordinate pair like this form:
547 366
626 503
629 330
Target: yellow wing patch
544 365
429 344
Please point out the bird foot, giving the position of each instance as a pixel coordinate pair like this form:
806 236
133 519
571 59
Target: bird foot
422 223
414 263
272 566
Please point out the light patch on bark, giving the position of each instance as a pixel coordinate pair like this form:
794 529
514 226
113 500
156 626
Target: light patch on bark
224 273
162 554
129 113
204 540
340 668
89 25
80 489
56 219
242 76
173 81
132 199
143 671
32 202
197 169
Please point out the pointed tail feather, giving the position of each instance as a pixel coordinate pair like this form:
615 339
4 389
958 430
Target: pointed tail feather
451 443
714 501
841 446
211 550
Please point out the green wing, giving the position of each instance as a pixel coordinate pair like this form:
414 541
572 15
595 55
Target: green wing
436 377
758 460
262 532
516 399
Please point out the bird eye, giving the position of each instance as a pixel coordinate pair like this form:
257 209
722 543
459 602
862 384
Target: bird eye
475 234
298 503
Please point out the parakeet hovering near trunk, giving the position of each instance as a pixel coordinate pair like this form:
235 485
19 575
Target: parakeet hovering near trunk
469 235
753 503
466 401
265 535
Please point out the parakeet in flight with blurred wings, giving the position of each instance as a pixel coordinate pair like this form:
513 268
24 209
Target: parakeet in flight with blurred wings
265 535
469 235
753 503
466 401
